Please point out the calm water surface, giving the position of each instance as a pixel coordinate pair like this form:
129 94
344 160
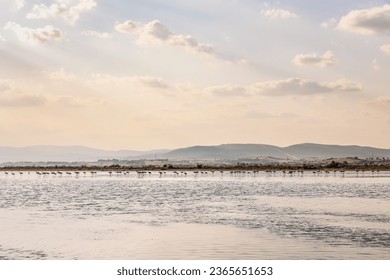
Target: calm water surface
213 216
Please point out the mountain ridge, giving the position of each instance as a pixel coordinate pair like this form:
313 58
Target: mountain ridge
296 151
53 153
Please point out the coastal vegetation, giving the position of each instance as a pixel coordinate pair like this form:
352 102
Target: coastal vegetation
344 164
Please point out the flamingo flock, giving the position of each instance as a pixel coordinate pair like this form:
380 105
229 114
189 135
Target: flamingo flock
195 173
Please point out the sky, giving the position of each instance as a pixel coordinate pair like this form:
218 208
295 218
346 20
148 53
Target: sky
157 74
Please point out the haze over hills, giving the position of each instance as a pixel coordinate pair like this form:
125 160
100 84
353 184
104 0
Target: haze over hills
65 154
225 151
299 151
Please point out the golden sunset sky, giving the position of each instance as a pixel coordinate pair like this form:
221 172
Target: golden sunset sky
167 73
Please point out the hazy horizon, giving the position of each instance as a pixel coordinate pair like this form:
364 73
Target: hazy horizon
183 147
168 74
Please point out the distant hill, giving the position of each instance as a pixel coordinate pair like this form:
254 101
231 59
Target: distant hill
65 154
225 151
335 151
308 150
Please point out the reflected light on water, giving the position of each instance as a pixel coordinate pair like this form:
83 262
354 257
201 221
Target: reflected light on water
119 217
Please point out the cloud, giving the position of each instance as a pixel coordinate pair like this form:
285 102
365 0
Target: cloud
95 34
19 4
264 115
130 81
60 76
381 103
297 86
5 85
313 59
385 49
367 21
2 39
227 90
22 100
12 97
152 82
375 65
291 86
127 27
329 23
69 10
39 35
156 32
77 102
278 14
343 85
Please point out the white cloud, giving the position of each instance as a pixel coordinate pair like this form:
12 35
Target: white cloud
140 82
2 39
153 82
367 21
69 10
278 14
313 59
19 4
343 85
297 86
228 90
95 34
329 23
39 35
156 32
291 86
385 48
375 65
127 27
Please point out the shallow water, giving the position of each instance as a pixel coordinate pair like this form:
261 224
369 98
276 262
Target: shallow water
198 216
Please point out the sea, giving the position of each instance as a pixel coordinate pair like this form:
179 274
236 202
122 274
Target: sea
188 215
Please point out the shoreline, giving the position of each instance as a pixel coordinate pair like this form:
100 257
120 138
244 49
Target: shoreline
264 168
